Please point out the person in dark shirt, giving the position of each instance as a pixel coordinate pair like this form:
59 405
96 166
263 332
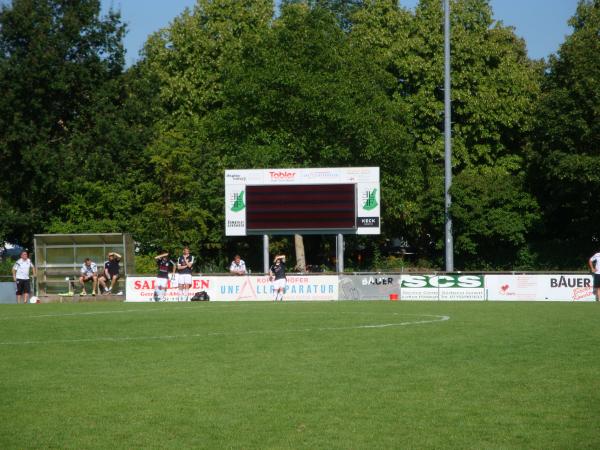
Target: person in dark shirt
165 267
184 274
110 273
277 274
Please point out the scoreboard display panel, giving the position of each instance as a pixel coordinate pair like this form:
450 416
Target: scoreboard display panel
310 206
305 201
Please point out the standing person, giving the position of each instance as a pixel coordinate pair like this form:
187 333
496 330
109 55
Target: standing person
165 266
594 263
277 274
184 277
20 272
111 273
89 271
238 266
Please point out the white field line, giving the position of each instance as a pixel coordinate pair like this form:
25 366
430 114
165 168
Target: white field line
88 313
116 311
434 318
201 308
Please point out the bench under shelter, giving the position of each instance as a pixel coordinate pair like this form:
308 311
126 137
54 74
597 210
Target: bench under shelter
58 257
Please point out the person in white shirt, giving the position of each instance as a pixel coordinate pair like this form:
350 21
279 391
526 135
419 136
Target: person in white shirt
89 271
20 272
238 266
594 263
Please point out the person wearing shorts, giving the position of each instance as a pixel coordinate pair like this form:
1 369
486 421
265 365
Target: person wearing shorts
594 263
184 274
20 271
165 266
111 273
277 275
88 272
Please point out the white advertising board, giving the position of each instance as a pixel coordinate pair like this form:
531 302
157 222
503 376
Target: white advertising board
240 288
366 180
442 287
7 292
419 287
369 286
559 287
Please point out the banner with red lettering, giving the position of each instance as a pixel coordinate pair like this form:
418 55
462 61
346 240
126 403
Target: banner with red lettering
559 287
239 288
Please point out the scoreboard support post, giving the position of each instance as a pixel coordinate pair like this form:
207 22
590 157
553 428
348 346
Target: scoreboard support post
340 253
266 253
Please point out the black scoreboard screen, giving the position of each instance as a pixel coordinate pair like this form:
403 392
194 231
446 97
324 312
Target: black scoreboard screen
301 207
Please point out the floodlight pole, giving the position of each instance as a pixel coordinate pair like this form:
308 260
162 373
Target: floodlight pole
447 142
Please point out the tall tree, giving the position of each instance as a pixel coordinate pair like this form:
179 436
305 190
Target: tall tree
565 161
312 96
54 56
191 60
494 86
112 184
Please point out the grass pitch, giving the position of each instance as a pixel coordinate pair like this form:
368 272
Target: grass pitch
300 375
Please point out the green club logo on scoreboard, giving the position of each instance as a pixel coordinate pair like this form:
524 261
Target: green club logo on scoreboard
370 200
238 202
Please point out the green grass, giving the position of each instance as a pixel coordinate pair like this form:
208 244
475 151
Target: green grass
300 375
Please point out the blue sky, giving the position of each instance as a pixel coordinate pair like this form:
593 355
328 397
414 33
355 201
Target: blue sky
542 23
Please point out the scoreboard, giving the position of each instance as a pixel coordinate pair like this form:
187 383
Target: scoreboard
306 201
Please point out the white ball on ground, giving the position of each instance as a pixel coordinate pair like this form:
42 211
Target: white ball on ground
34 299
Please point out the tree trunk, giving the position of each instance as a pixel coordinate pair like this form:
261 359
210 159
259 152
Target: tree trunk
300 258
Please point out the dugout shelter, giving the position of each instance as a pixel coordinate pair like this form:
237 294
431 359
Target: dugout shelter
58 257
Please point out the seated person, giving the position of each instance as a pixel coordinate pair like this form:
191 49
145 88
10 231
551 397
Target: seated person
89 271
238 266
111 273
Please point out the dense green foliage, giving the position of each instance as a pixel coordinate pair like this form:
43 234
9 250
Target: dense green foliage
310 375
58 65
89 145
565 160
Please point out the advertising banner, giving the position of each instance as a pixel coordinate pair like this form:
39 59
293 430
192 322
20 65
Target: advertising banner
559 287
369 286
412 287
240 288
423 287
7 292
442 287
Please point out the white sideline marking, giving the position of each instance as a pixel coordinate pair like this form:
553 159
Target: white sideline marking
94 313
88 313
434 318
181 307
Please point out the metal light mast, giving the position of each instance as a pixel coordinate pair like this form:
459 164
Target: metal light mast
447 142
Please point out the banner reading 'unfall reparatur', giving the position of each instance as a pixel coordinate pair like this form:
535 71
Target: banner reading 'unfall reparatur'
239 288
